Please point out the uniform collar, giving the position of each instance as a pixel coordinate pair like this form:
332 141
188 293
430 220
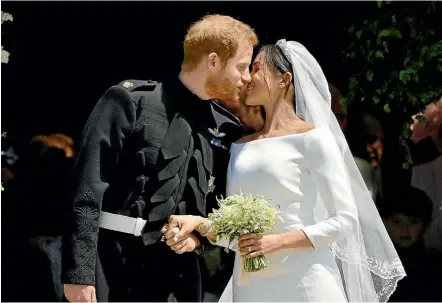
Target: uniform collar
187 102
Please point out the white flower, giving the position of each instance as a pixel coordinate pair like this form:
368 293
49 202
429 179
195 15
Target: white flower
6 17
242 214
5 56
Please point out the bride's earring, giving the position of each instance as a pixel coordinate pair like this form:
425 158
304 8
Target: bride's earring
281 85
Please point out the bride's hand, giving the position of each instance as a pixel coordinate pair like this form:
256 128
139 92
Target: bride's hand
186 224
252 246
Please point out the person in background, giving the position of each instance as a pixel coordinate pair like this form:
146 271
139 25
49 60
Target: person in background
365 137
337 108
9 160
407 216
433 126
365 141
38 200
59 141
426 151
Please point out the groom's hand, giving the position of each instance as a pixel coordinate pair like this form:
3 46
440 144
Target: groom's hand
80 293
180 226
187 243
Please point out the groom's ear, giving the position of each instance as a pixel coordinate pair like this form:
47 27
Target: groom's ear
213 61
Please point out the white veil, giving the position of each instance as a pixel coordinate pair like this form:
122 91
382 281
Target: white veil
369 264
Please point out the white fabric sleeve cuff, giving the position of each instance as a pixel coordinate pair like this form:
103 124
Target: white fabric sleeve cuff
314 235
224 242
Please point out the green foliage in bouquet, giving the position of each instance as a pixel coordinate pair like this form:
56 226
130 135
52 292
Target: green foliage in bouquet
395 58
241 214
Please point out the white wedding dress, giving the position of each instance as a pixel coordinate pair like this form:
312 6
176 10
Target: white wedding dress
291 171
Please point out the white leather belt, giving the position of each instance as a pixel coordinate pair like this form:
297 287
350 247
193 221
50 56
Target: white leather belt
121 223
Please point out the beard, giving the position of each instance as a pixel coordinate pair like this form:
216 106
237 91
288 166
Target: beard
219 87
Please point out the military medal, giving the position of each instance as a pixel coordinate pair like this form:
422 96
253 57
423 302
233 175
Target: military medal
128 84
215 141
218 143
215 132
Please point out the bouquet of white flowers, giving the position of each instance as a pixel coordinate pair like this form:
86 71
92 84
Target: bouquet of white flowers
244 214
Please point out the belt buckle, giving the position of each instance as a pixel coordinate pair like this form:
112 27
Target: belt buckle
139 226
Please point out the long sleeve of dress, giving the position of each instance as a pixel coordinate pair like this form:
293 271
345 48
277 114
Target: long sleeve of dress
327 168
224 242
109 125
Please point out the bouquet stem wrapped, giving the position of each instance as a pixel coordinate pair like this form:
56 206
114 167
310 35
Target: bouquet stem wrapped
241 214
255 264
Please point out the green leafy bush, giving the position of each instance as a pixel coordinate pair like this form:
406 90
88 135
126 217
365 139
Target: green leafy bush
395 60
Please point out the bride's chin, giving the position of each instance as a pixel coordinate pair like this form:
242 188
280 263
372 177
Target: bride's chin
248 101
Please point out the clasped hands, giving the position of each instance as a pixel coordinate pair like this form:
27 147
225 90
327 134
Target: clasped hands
179 235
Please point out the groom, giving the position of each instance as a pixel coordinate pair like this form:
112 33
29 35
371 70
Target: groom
150 150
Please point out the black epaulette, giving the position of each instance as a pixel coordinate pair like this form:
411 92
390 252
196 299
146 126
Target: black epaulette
137 85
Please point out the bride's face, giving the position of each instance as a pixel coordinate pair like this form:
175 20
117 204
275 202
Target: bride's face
263 85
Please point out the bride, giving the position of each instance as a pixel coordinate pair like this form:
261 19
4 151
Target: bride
329 243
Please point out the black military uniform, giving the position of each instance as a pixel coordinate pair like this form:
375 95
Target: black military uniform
148 150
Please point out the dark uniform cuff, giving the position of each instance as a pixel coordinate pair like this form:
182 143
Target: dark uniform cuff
205 245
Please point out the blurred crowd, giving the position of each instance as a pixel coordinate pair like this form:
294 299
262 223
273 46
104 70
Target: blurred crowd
37 185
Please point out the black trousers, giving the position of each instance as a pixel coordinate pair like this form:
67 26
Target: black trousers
128 271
